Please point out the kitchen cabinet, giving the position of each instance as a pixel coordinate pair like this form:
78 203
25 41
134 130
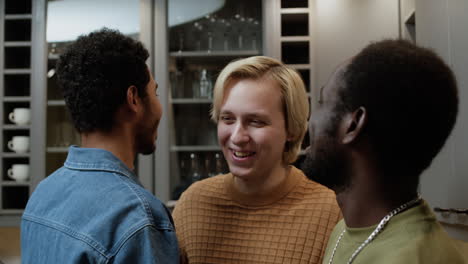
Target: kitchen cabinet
187 52
21 24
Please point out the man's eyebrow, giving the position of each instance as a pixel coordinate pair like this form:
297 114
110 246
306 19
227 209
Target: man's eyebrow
225 112
260 115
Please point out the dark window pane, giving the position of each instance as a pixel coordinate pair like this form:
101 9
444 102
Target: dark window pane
294 3
18 7
18 30
17 57
295 52
16 85
305 74
294 25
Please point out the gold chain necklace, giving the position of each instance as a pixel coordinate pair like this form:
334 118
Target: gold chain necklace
376 231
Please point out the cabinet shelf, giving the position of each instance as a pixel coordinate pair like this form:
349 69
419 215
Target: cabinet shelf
238 53
195 148
57 149
18 16
300 66
16 127
294 4
17 71
15 183
15 99
56 103
17 43
191 101
294 11
295 38
11 211
15 155
54 56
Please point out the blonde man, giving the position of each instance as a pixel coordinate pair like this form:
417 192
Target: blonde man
265 210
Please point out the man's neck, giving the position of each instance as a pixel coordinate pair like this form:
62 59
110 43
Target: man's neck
117 144
262 184
364 204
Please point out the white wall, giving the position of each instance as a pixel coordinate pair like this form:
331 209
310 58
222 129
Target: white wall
441 25
344 27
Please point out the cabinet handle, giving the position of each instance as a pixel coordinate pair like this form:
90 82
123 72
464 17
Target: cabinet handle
452 210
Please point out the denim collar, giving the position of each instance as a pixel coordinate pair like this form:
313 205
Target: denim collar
94 159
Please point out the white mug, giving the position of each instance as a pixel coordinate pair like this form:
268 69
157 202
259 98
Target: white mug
20 116
19 172
19 144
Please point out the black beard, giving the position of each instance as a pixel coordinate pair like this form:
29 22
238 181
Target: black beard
327 167
144 140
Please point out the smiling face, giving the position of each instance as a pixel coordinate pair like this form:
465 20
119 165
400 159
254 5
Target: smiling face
251 128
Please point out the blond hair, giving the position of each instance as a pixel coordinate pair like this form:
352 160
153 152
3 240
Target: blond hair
294 96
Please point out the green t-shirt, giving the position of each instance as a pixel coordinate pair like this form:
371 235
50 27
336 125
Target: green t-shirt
413 236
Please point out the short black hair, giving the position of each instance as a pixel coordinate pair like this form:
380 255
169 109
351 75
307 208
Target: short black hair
94 74
411 99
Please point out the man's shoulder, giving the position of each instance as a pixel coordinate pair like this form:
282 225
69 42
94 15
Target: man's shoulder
422 241
115 199
102 209
421 250
433 245
203 193
213 186
312 186
315 192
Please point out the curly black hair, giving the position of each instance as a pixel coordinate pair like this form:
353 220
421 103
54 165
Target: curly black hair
411 98
94 74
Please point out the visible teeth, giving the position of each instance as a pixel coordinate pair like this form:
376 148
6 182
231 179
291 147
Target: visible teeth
242 154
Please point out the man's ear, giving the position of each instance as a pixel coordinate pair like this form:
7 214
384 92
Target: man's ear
132 98
354 125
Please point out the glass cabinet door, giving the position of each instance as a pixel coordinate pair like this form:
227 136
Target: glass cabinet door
204 36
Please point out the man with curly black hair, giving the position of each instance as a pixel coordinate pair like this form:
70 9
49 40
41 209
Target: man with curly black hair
381 119
93 209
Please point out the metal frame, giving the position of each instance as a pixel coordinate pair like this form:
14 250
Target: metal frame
37 160
314 89
145 163
271 28
161 60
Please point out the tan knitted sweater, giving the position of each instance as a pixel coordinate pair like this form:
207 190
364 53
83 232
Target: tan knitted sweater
291 224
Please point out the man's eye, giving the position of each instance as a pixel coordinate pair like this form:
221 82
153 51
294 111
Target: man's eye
226 118
257 122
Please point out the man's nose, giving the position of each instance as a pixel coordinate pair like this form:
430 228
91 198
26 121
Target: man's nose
240 134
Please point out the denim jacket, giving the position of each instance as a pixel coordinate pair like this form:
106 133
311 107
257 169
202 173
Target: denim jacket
94 210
